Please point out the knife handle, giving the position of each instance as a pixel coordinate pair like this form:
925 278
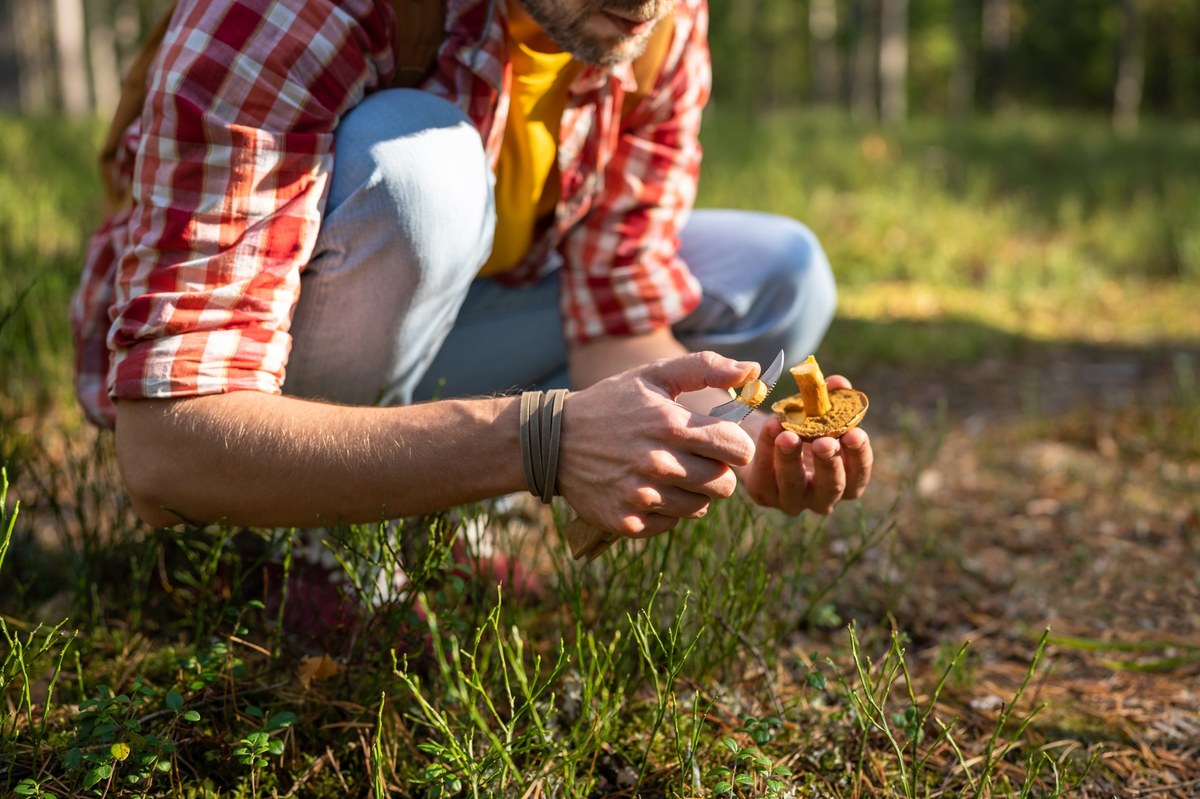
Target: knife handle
586 540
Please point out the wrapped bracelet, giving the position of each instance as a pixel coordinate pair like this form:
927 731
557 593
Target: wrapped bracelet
541 432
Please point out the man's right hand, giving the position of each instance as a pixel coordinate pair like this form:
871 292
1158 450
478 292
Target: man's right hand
634 462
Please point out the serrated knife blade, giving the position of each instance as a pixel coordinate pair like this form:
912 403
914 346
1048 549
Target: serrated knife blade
735 410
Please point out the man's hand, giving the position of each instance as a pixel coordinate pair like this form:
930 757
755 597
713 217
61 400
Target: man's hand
635 462
795 476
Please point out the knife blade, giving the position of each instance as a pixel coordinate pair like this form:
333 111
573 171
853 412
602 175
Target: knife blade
735 410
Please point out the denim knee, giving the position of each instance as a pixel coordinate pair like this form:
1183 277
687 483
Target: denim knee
420 164
767 285
803 275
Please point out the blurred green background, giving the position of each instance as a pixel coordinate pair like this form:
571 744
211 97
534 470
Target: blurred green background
1030 166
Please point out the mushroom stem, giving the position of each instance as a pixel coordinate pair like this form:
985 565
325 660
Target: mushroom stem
813 391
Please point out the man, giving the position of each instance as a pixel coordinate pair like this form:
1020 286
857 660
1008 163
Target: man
309 255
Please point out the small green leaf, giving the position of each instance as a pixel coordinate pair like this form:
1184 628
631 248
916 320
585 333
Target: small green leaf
26 787
190 715
97 774
744 779
731 745
280 720
723 787
174 700
781 771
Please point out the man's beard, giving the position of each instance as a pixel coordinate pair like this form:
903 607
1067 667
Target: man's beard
569 28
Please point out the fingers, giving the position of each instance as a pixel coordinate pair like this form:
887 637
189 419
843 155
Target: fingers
699 370
859 459
828 476
834 382
795 477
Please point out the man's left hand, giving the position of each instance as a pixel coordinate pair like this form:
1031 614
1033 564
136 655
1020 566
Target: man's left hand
795 476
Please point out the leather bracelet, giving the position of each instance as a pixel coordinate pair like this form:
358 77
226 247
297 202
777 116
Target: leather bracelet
553 437
529 403
541 434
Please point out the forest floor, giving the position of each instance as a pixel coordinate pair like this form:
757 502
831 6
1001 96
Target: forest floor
1059 490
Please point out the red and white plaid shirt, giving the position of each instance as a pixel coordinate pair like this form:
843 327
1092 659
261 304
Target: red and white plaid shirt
191 290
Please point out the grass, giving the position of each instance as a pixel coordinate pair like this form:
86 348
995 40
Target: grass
875 653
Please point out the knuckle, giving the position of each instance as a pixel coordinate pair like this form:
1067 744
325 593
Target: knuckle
664 464
674 422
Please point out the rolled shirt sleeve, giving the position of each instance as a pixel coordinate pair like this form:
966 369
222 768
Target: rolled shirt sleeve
228 184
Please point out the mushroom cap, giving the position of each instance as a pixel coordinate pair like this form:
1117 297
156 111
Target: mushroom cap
849 407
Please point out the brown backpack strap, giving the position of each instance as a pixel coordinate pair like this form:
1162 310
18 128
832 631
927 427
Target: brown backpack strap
420 30
129 108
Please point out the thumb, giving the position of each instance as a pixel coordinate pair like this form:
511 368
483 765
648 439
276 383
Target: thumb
697 371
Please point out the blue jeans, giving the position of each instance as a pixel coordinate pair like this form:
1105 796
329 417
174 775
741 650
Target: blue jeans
390 311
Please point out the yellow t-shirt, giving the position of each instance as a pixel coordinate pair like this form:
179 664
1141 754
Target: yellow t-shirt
527 170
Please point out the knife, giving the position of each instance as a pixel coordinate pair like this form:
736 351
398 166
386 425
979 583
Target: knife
587 541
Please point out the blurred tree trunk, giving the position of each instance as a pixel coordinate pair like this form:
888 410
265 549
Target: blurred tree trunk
863 88
72 56
961 95
10 88
822 30
761 81
893 60
127 27
35 55
997 43
102 49
1127 96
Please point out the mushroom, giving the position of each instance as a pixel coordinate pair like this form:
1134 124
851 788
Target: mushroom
816 411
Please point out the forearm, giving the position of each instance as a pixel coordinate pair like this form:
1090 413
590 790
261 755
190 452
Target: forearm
261 460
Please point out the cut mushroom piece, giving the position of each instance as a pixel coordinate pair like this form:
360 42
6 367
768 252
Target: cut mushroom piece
753 393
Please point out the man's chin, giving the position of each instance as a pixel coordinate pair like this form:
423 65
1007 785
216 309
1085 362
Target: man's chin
612 49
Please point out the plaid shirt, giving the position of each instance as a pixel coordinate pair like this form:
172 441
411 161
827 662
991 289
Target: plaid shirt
190 291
